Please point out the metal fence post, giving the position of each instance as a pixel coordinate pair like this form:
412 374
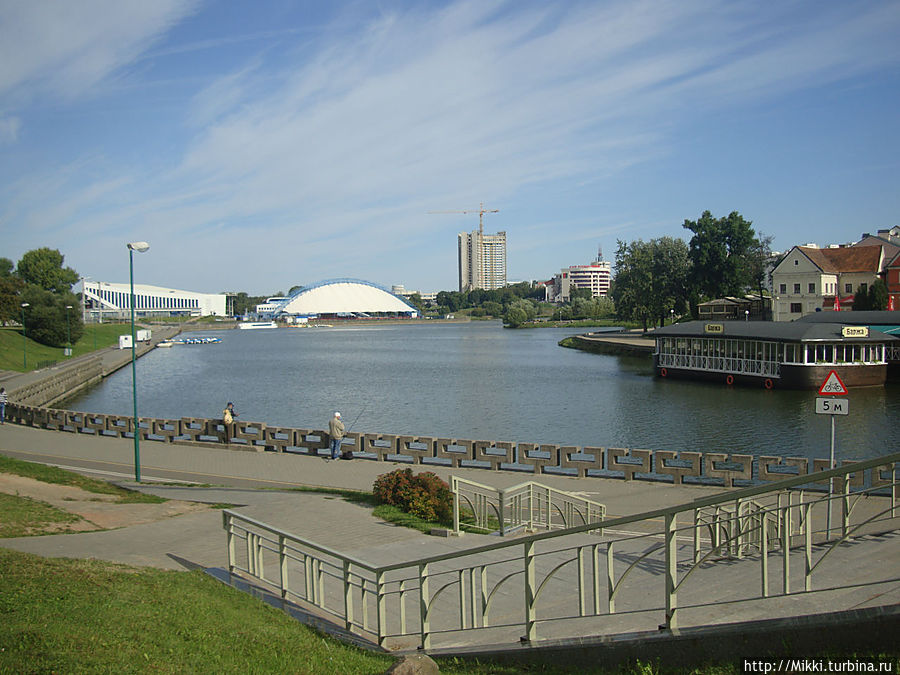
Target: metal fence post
610 580
282 565
455 489
671 547
381 607
764 555
530 590
229 539
423 606
348 597
807 547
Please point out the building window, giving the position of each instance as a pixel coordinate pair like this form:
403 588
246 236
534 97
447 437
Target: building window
864 288
812 288
796 289
796 308
848 288
796 261
783 288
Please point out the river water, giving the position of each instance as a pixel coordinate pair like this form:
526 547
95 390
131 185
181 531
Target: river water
480 381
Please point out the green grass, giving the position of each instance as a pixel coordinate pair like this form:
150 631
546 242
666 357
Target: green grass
23 516
85 616
103 335
52 474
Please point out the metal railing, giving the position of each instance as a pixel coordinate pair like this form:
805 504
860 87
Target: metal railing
646 567
527 506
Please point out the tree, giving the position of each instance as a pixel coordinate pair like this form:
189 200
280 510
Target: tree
47 320
520 312
669 278
10 289
634 283
43 267
759 259
719 254
878 295
651 280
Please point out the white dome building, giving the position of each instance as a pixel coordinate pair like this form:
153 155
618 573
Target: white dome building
350 298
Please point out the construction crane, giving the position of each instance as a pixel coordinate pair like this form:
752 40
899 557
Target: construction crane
481 211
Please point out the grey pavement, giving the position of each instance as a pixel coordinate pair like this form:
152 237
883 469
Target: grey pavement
237 476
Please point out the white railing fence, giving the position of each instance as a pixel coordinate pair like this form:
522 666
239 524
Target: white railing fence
645 568
527 506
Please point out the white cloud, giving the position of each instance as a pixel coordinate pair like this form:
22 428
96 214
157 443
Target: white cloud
62 49
9 129
337 149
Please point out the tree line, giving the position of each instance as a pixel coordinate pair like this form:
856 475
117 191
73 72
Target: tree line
39 288
663 277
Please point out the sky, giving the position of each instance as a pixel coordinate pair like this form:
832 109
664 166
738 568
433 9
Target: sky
260 146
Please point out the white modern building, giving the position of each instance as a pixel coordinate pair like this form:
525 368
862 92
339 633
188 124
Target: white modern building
104 300
482 260
344 299
271 304
595 277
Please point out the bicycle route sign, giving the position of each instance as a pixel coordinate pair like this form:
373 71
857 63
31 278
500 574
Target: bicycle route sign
833 386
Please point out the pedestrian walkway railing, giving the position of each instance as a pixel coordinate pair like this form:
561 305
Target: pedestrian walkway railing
527 506
647 570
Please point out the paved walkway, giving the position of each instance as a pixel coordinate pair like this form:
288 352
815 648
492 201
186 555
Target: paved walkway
199 539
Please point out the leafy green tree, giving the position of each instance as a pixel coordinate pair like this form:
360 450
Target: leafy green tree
519 312
515 317
43 267
878 295
493 308
669 272
634 281
719 253
10 289
46 319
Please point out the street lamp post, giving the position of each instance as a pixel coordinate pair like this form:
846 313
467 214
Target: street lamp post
24 339
140 247
68 332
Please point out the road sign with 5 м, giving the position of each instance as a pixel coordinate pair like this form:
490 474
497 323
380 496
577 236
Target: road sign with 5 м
832 406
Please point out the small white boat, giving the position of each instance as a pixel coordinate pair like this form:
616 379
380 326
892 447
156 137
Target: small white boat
190 341
256 325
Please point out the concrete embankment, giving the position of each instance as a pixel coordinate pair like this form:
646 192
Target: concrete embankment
47 386
626 343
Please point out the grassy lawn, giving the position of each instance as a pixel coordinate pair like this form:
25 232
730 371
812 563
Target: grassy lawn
52 474
103 335
22 516
66 616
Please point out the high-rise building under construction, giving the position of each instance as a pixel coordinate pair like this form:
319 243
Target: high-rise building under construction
482 260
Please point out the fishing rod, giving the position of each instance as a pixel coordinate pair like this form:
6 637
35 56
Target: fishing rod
362 410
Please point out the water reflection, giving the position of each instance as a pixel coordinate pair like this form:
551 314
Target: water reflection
480 381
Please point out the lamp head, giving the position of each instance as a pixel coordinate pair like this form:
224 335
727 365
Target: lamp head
25 304
139 246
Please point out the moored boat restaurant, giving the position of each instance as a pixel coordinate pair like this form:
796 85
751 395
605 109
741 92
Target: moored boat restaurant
796 355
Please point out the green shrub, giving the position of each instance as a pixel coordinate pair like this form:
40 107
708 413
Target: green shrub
423 495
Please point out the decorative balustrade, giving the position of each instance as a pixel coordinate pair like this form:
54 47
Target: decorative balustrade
527 506
711 468
639 574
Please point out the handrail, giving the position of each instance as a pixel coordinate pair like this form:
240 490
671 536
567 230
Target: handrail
730 496
745 525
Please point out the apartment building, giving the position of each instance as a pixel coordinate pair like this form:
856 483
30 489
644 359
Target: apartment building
811 279
482 260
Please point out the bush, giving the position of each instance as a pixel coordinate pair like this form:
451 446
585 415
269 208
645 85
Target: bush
423 495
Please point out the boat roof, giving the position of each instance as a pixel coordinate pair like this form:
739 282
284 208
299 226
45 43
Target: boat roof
793 331
854 318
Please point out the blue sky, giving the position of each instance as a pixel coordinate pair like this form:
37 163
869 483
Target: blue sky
261 145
